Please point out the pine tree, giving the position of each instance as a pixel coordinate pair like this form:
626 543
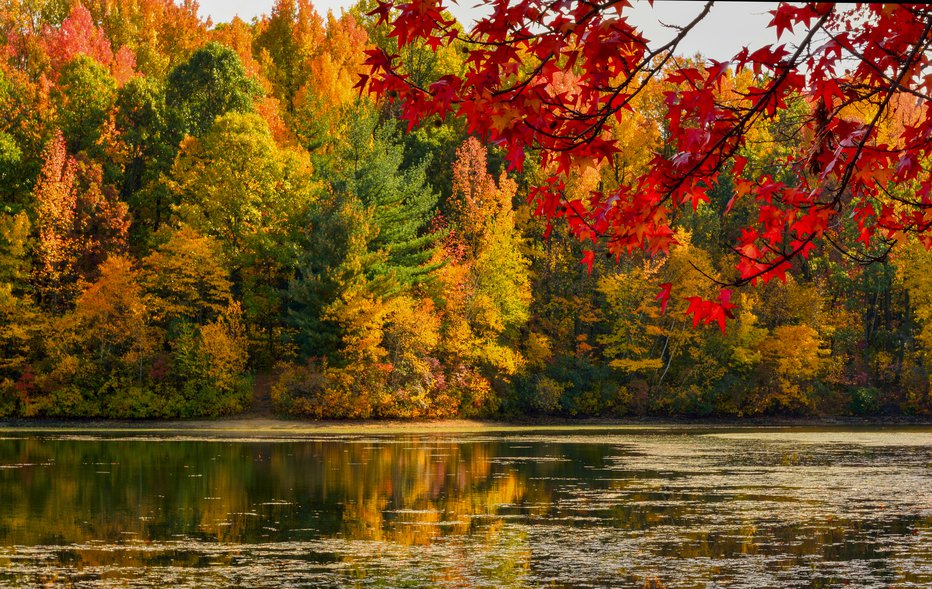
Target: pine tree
400 202
333 276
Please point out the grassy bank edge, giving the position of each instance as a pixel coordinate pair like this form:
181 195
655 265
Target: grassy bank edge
259 426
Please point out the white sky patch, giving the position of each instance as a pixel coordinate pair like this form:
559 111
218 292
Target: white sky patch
728 27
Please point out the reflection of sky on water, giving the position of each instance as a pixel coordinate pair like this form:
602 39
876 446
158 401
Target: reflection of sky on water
693 508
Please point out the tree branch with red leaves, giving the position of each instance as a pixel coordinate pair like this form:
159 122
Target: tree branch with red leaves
551 76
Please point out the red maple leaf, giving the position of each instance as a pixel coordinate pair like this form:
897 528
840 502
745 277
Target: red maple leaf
587 260
664 296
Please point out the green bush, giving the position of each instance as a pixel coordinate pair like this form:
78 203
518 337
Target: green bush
865 401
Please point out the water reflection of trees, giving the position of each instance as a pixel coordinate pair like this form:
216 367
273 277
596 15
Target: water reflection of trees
69 491
183 496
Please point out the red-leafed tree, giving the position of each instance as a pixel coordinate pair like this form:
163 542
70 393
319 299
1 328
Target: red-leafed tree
555 76
79 221
79 35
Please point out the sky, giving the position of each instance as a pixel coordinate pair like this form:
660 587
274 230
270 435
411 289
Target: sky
729 26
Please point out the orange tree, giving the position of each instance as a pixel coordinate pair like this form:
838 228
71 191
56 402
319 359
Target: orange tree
552 76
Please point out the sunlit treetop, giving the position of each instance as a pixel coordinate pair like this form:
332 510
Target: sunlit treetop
555 76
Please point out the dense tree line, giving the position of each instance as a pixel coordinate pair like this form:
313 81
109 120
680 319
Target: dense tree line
187 209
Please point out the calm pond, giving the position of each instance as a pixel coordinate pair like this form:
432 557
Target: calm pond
665 507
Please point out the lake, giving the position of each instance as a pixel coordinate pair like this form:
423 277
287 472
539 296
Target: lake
639 507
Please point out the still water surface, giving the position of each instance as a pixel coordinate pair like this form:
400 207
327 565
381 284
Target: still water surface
690 508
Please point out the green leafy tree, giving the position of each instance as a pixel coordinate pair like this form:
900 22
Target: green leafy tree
83 99
25 128
141 120
10 158
211 83
236 185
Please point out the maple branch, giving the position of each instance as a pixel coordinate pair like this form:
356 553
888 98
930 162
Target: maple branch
603 115
880 73
707 276
858 258
849 169
785 257
904 201
753 112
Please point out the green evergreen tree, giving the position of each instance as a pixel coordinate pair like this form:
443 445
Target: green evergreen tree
338 261
83 99
400 201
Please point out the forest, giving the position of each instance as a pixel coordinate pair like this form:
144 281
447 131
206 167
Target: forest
191 212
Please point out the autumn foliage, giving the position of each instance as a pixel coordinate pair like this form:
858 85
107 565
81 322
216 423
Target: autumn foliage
547 215
555 78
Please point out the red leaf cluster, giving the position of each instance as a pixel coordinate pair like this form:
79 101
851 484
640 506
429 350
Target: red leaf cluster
707 312
552 77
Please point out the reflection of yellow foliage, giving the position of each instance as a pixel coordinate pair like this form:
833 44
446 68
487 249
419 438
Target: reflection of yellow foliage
443 487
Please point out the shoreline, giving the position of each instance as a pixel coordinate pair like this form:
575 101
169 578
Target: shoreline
259 426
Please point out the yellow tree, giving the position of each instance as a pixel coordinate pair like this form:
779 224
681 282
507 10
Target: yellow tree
237 185
19 321
642 337
55 194
187 278
915 264
486 284
223 347
284 43
111 316
791 356
327 97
